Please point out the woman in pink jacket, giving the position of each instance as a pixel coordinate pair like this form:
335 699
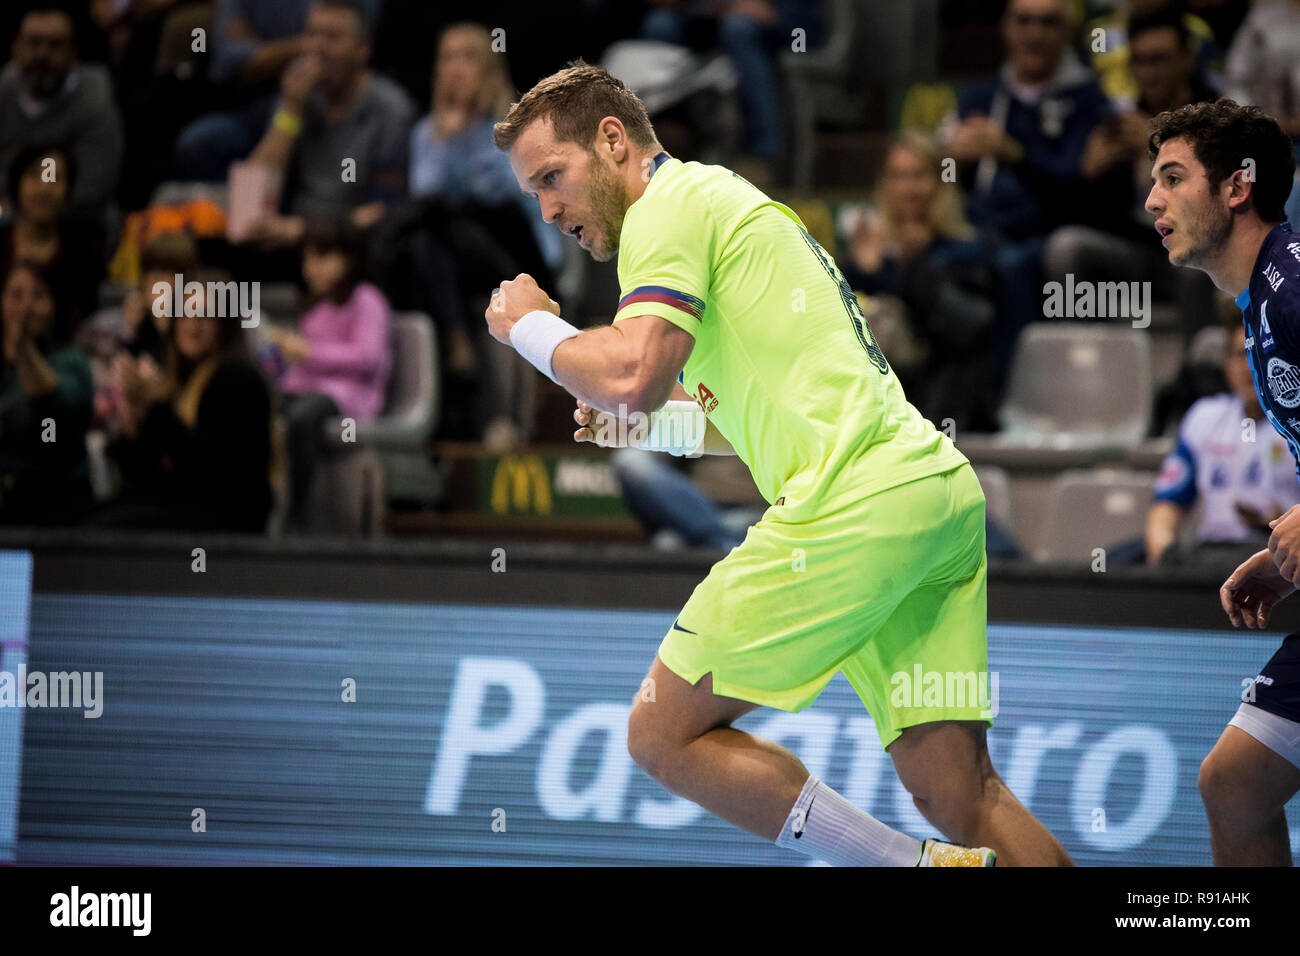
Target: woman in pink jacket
339 360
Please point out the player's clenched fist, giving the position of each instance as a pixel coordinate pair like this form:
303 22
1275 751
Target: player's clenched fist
1252 590
512 301
607 430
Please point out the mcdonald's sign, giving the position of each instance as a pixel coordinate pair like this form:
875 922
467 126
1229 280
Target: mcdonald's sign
521 483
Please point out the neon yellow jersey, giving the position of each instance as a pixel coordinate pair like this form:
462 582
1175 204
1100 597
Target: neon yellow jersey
784 364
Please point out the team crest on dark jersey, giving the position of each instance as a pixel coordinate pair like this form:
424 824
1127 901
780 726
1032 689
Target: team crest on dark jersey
1284 382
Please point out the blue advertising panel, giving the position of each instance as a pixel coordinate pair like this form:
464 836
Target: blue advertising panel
15 594
275 731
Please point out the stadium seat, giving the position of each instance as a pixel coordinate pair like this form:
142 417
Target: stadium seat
817 88
349 495
400 436
1093 509
280 302
1079 385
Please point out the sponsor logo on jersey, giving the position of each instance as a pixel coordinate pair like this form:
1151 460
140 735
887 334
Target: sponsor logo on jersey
1294 249
705 398
1273 276
1284 382
1266 342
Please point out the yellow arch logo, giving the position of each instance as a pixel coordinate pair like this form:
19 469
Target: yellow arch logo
519 481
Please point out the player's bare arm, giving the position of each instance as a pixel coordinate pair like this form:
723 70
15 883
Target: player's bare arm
628 367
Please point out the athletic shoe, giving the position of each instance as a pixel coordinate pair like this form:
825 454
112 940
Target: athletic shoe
938 853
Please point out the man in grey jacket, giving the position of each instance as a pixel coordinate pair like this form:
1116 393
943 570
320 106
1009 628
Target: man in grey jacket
48 98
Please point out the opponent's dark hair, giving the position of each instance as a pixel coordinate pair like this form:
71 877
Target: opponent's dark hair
1223 136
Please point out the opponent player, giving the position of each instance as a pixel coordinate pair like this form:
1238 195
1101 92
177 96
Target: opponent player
1222 175
870 559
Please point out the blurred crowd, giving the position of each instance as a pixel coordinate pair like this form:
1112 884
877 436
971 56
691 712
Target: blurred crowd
162 156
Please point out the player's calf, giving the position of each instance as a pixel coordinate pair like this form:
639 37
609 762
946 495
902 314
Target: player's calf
946 767
1244 786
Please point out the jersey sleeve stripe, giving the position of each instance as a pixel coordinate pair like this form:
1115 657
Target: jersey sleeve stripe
691 305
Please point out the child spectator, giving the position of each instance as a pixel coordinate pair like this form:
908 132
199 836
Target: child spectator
340 357
135 325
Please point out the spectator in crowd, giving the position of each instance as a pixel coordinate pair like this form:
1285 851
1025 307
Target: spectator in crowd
1231 461
1111 57
340 357
1019 138
160 82
340 131
750 32
467 224
45 405
195 453
712 502
1113 239
475 224
47 96
41 178
252 42
917 245
673 509
1264 71
457 173
136 326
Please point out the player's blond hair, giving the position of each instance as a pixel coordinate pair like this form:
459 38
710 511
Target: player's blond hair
575 100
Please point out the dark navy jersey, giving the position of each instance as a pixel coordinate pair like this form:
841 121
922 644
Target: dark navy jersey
1270 308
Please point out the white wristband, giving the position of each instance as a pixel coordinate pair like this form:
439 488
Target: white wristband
536 337
678 429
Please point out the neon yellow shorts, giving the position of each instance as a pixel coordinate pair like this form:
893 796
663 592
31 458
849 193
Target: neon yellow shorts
891 590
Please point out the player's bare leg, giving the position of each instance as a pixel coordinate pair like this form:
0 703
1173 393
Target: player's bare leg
1245 786
683 739
946 767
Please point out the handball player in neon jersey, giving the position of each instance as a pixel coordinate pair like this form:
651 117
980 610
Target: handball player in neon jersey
736 334
1222 173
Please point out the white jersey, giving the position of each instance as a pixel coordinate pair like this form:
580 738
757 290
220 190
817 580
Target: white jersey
1222 461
